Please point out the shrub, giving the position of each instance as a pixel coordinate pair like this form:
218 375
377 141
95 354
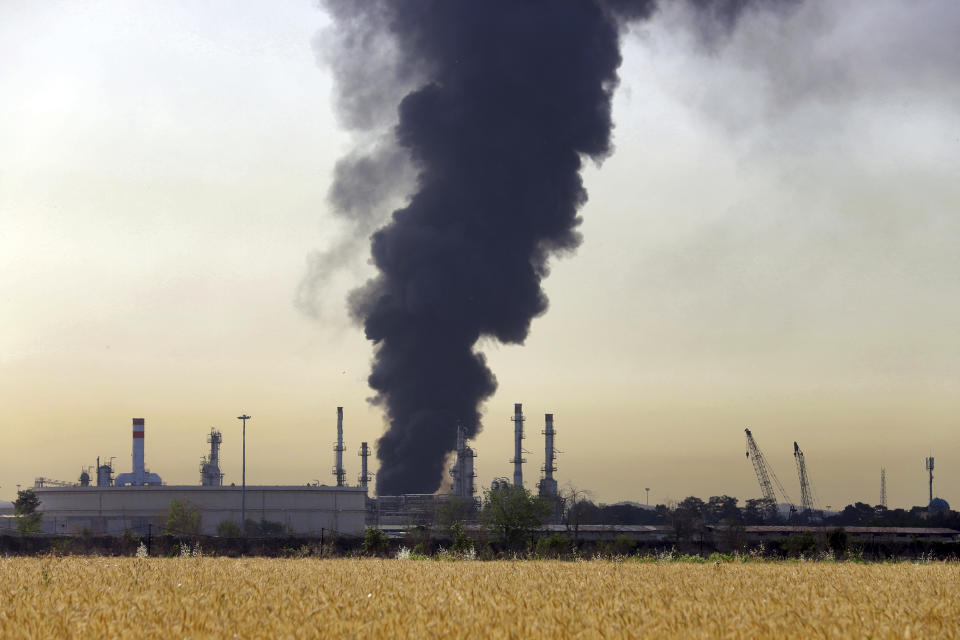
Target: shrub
375 541
553 546
183 518
838 541
228 529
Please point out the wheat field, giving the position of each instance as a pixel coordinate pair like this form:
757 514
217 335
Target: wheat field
76 597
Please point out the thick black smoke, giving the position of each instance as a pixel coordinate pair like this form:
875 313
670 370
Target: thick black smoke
512 96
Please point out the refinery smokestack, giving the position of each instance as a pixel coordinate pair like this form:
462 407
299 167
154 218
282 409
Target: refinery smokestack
139 476
338 449
364 474
518 458
548 486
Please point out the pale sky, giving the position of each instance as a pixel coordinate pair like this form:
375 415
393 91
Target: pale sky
772 245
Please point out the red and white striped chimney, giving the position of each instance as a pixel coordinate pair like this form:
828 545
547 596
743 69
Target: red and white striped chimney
138 468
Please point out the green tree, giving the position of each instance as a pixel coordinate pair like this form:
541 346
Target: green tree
513 514
759 510
454 510
687 518
721 508
25 509
183 518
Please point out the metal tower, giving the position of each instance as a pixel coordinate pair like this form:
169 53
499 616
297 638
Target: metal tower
806 491
210 475
462 471
764 472
883 487
338 450
365 476
518 436
928 463
547 485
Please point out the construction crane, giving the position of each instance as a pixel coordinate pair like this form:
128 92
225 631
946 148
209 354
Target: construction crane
765 473
806 491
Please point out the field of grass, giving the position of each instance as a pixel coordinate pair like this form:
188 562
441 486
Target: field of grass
74 597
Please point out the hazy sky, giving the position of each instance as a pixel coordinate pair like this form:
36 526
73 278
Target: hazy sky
772 245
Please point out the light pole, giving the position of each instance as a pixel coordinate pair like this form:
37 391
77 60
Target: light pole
243 491
647 489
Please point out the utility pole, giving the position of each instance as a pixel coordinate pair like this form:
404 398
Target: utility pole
243 492
647 489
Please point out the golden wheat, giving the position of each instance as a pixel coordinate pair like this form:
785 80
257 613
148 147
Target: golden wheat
264 598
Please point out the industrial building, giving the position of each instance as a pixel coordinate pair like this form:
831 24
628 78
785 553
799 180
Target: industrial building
138 501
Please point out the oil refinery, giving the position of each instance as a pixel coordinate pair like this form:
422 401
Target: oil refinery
103 501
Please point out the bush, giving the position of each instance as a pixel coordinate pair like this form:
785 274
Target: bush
183 518
375 541
228 529
265 529
801 545
838 541
461 541
553 546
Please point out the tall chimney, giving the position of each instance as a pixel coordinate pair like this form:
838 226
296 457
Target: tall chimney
548 486
338 448
138 469
138 476
364 474
518 458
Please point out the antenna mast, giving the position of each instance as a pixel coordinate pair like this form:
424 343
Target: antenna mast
928 462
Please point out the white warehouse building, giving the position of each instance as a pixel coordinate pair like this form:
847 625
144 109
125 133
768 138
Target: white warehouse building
302 510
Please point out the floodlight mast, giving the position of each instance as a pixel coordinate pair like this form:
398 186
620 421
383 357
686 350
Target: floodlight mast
243 491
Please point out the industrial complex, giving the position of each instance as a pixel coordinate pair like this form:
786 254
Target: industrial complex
138 501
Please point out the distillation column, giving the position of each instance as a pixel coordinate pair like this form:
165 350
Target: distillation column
462 470
210 474
548 486
518 458
338 449
364 474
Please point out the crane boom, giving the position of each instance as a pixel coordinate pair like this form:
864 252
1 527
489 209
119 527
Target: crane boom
765 475
806 491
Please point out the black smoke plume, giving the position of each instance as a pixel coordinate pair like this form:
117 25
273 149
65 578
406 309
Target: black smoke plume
508 99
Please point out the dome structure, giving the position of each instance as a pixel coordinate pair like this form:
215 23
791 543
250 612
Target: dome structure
939 504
